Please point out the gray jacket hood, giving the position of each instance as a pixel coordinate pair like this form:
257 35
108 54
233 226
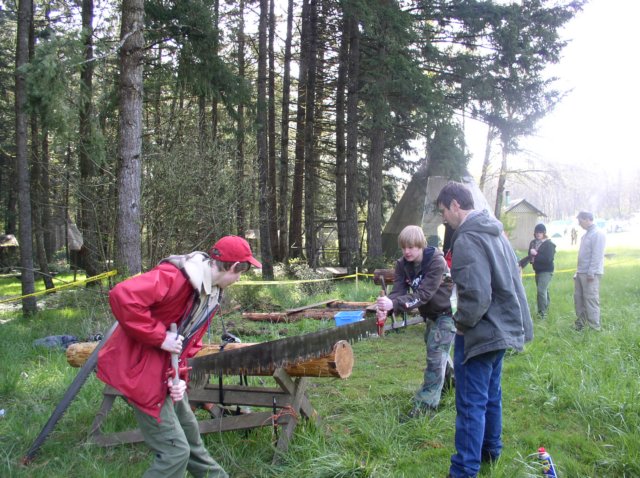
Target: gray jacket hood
481 222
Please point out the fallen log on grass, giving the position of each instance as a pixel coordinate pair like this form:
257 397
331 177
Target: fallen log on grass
280 317
293 315
273 317
338 363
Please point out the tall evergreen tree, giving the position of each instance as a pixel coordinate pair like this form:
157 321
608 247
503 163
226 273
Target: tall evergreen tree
240 130
25 18
351 168
296 208
340 169
310 183
261 134
128 225
283 203
88 200
271 135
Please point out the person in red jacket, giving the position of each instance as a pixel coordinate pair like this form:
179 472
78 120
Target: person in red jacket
136 359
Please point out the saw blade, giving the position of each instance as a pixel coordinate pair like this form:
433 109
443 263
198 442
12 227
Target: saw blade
279 353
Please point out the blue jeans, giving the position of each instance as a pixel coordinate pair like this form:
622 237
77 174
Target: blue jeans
478 410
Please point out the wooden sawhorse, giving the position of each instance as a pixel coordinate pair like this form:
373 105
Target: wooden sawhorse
290 398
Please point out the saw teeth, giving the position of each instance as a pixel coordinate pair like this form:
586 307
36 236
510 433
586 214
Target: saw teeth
281 352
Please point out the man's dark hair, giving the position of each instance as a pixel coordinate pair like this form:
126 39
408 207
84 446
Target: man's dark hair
457 191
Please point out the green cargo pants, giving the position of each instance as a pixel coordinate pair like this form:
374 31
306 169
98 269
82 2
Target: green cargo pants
176 443
438 338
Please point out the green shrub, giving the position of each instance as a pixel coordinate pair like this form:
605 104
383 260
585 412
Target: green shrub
301 271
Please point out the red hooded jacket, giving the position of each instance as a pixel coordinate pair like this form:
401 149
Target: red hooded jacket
131 360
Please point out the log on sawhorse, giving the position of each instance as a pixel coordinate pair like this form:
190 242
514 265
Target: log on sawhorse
289 400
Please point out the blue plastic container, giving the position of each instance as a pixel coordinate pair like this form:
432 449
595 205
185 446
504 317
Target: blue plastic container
348 317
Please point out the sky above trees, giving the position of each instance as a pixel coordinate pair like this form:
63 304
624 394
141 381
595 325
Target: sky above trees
595 125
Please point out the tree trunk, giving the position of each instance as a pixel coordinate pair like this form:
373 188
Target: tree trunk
295 221
284 141
202 124
341 191
216 48
36 187
261 135
128 243
310 185
240 134
352 146
272 183
88 200
11 212
374 210
47 194
491 135
502 179
37 193
25 18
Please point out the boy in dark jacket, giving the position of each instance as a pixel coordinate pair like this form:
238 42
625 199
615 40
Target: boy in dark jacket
541 254
419 283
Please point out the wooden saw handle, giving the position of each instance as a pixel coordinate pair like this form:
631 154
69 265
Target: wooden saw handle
380 322
174 357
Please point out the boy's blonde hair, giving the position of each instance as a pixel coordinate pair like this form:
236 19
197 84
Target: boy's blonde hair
412 236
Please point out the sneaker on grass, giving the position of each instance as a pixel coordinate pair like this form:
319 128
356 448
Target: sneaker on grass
418 410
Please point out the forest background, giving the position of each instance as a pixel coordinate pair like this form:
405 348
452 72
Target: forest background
158 126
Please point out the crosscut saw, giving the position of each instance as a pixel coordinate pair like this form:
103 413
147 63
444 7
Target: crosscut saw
279 353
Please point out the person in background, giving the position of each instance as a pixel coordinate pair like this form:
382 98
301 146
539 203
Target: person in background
542 251
136 359
420 283
586 294
492 316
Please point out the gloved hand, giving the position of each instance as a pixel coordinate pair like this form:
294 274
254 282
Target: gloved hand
384 303
172 343
176 390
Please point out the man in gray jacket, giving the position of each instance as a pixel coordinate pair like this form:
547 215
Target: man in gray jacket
586 296
492 316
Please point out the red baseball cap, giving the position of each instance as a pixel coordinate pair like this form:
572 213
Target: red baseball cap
233 249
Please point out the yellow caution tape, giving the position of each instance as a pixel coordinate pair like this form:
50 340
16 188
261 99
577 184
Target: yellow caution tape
301 281
104 275
532 274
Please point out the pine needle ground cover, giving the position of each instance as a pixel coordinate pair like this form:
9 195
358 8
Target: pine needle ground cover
576 393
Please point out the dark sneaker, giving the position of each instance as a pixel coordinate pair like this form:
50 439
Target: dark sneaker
487 457
418 411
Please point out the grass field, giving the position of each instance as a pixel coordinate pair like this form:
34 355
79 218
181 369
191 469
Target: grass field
576 393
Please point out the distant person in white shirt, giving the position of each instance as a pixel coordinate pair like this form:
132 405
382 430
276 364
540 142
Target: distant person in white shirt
590 269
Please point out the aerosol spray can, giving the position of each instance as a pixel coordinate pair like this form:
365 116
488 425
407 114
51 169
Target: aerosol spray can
548 468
